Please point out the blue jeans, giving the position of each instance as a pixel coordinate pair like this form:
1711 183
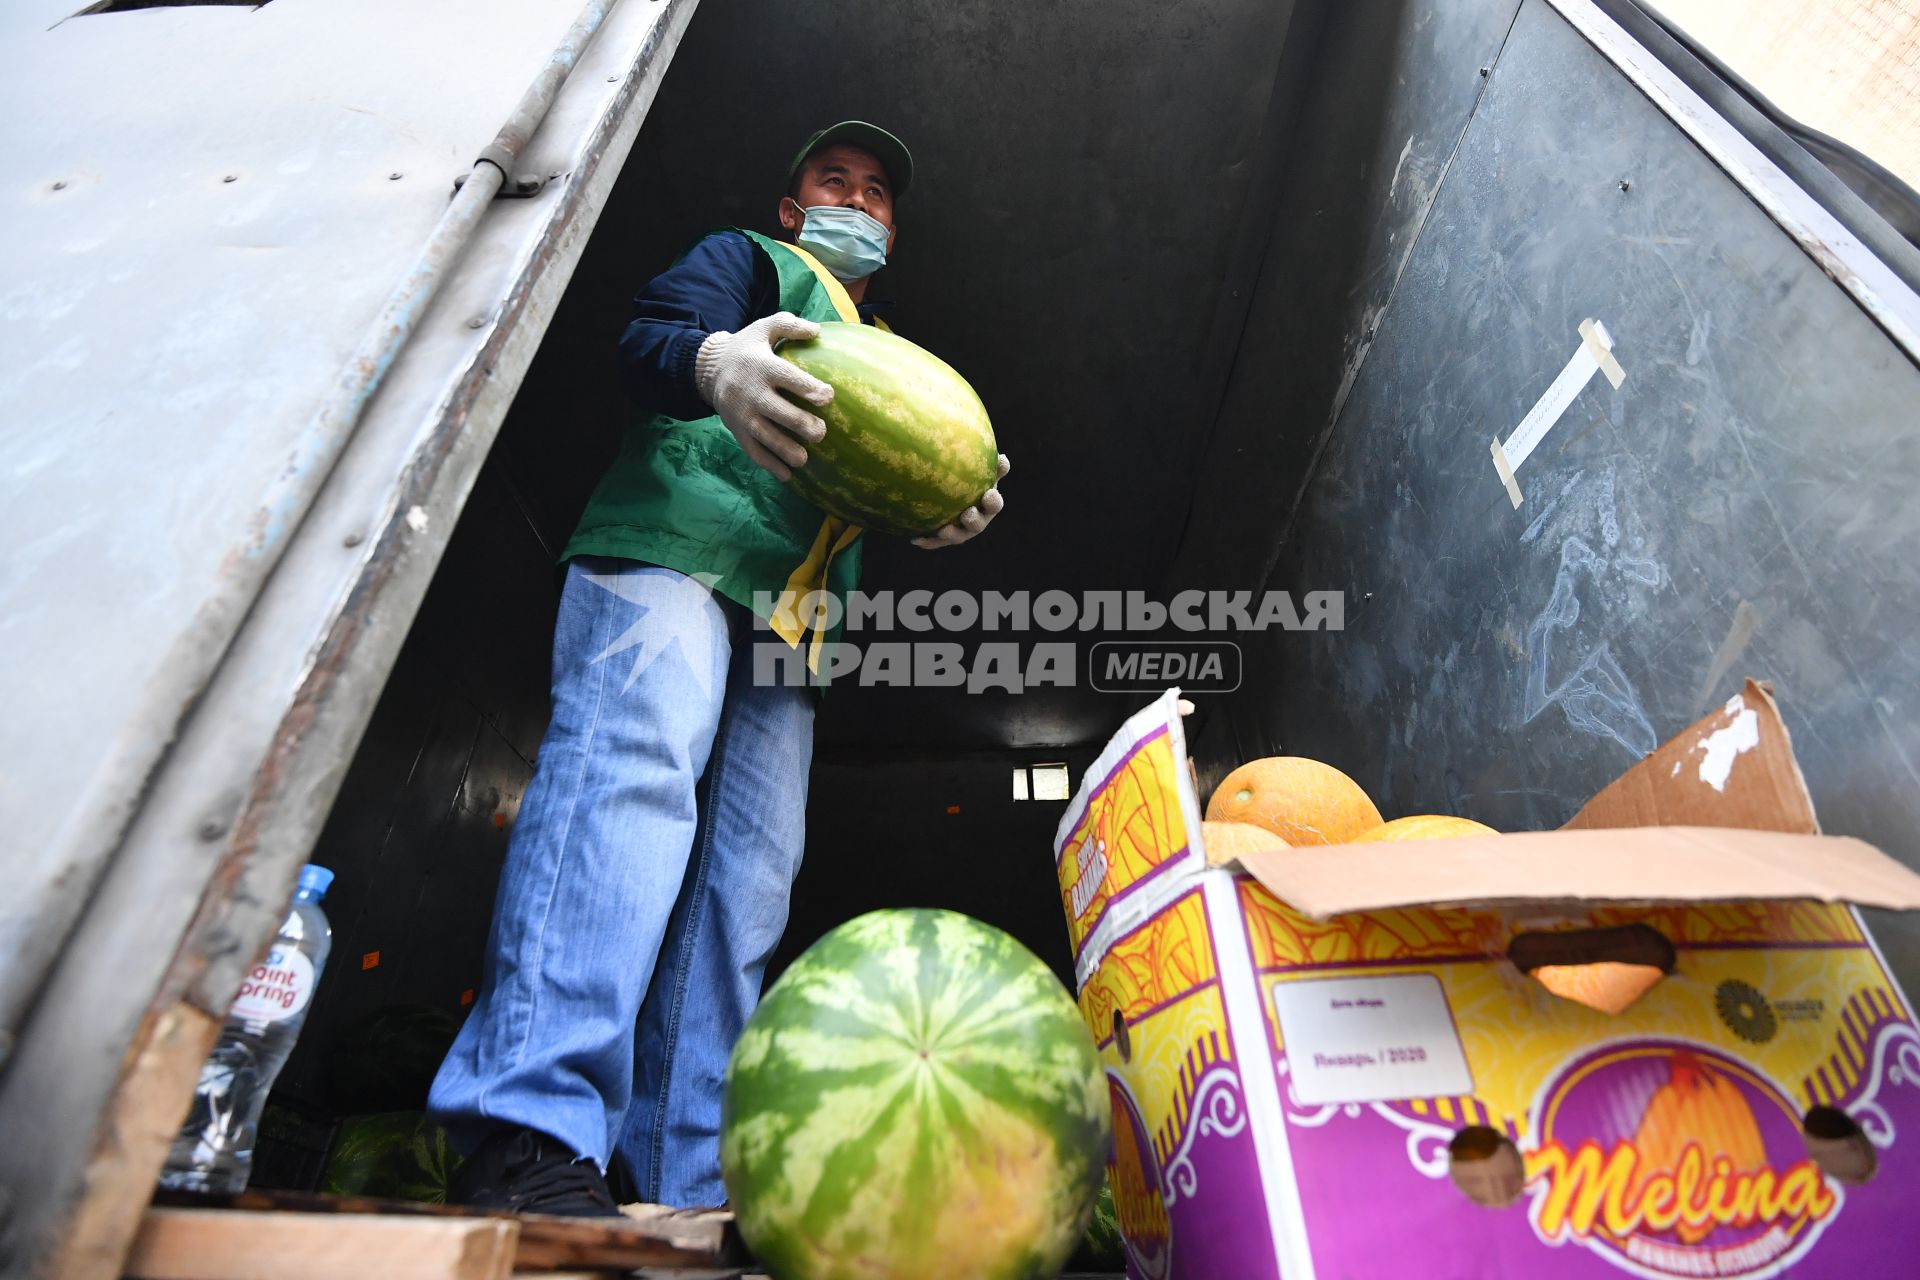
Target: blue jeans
645 885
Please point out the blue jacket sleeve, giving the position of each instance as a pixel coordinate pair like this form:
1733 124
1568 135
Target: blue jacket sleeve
722 283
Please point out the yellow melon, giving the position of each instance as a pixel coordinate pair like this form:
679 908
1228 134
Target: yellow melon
1425 826
1611 986
1302 801
1227 840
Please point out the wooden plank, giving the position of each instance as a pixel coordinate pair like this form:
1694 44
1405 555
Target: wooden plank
649 1236
145 1113
216 1244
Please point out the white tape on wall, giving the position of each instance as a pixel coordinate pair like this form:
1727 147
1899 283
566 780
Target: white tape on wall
1593 355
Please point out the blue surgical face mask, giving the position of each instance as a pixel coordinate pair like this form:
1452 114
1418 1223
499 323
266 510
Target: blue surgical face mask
848 243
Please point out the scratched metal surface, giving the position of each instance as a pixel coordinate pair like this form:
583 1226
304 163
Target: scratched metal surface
1361 174
1740 506
209 206
226 815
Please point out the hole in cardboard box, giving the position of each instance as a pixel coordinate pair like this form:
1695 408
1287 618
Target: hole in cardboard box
1486 1166
1835 1143
1604 969
1122 1042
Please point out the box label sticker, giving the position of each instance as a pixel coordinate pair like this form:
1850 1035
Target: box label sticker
1370 1039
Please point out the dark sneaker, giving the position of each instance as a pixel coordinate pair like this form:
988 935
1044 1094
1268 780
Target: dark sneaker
621 1182
524 1171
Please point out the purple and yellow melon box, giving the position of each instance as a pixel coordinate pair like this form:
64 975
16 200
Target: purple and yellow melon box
1348 1062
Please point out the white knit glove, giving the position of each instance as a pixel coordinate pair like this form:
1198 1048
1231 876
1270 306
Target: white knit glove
740 376
971 521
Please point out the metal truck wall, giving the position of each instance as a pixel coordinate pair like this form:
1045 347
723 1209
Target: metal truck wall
239 434
1739 506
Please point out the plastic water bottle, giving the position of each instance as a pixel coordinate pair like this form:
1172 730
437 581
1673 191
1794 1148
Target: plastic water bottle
214 1149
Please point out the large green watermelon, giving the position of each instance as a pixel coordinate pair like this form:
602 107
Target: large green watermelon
908 444
917 1097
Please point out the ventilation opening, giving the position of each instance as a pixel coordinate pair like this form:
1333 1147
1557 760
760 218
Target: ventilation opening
1604 969
1836 1144
1040 782
1486 1166
123 6
1122 1041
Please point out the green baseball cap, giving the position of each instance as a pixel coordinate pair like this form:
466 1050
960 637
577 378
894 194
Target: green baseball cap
887 149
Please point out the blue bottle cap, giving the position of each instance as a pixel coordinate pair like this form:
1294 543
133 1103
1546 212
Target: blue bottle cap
314 880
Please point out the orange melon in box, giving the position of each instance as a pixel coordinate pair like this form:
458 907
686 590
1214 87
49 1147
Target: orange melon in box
1300 800
1228 840
1425 826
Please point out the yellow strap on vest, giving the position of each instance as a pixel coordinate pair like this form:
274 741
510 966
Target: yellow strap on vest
836 292
841 541
835 534
808 585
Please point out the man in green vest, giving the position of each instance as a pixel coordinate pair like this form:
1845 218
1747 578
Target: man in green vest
647 880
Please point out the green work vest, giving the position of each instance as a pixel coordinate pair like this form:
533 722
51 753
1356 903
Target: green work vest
684 495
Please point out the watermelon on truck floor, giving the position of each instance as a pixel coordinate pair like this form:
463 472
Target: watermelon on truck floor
917 1097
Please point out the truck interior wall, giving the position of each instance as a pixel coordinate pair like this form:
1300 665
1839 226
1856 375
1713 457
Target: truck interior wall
1740 506
1391 87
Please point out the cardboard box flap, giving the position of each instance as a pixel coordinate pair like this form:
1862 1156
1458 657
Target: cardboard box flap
1734 768
1646 864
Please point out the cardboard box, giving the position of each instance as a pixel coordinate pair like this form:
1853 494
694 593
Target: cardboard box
1320 1058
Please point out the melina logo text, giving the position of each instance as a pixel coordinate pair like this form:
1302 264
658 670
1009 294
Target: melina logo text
1713 1179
